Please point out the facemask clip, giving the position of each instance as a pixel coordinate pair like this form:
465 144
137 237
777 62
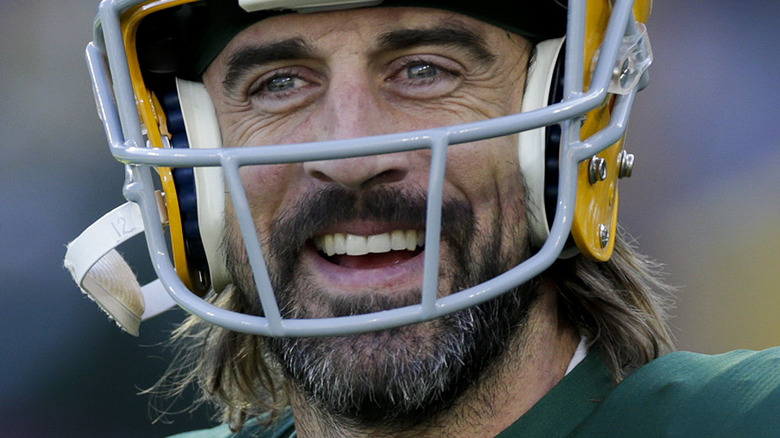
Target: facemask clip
634 58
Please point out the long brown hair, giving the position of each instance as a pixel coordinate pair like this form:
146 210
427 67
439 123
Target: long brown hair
620 306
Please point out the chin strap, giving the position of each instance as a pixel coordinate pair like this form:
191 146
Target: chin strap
104 275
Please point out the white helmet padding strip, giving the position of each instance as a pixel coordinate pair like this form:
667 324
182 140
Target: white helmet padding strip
200 121
531 147
105 277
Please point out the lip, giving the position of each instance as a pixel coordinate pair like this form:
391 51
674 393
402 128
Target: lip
402 276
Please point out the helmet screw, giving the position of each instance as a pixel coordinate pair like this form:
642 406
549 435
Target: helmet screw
625 164
603 235
597 170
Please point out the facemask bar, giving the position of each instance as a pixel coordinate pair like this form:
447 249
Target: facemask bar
126 142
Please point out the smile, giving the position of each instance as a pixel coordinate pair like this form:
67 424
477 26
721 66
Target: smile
356 262
356 245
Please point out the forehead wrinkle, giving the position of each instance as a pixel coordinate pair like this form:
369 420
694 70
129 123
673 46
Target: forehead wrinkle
250 56
450 35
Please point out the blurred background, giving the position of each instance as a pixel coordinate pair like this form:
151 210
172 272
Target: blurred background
704 200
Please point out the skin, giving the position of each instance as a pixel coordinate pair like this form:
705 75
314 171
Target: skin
347 84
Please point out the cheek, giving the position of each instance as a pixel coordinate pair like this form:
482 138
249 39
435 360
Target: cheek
244 128
269 188
487 172
241 124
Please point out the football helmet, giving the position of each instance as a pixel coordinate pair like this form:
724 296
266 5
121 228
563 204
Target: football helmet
590 60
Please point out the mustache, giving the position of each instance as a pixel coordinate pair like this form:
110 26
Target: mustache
317 211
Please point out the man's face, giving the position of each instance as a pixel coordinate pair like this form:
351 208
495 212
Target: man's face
301 78
310 77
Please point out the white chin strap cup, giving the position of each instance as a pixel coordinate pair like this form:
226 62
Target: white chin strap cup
106 278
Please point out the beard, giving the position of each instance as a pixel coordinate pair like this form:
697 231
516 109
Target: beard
395 378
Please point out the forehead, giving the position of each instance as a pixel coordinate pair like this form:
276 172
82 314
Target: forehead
355 27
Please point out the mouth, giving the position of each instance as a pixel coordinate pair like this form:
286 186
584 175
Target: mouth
374 251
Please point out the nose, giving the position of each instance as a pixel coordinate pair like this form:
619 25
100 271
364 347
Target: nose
360 173
354 109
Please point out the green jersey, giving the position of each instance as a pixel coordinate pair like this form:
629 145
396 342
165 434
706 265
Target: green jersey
682 394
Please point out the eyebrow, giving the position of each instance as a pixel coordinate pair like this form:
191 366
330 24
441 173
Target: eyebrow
447 35
246 58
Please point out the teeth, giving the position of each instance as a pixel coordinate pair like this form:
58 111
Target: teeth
398 240
378 244
354 245
357 245
339 244
328 242
411 240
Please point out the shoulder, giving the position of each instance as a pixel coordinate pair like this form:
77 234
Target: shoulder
690 394
736 375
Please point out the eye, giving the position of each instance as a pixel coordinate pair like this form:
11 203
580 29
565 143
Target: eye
424 76
421 71
284 89
282 83
279 83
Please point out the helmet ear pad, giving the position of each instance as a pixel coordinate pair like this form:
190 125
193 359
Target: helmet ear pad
202 127
538 149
